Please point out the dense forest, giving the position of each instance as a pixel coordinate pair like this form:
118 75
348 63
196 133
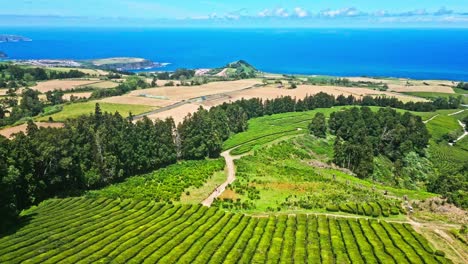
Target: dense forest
95 150
362 134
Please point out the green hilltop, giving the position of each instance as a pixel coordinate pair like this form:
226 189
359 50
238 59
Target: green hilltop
238 69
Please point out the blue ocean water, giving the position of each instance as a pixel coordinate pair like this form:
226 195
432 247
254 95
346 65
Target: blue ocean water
412 53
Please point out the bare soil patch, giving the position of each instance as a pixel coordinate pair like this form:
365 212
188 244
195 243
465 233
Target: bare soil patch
138 100
178 113
419 88
179 93
406 85
10 131
271 92
62 85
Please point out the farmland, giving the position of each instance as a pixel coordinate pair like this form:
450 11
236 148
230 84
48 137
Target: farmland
80 230
78 109
71 84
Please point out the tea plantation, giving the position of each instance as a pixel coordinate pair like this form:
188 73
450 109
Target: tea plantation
84 230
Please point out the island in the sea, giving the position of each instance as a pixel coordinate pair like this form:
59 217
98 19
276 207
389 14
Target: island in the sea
3 55
13 38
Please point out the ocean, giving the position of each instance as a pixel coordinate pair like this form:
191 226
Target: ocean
409 53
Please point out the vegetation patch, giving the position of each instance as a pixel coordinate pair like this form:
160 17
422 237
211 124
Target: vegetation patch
167 184
296 175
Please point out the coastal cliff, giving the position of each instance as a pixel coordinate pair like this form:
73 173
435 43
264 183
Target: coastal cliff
122 63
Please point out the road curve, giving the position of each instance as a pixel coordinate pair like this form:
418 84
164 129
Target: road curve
231 177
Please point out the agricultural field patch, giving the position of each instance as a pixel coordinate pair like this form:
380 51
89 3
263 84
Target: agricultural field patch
80 230
64 85
103 85
9 131
74 110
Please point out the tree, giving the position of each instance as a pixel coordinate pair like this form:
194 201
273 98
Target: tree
3 109
318 126
55 97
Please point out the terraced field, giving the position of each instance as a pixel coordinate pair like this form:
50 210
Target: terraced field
81 230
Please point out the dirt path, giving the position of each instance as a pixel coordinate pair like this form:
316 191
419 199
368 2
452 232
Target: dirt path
231 177
464 129
430 119
461 111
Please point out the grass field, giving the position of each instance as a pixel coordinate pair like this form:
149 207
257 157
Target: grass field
77 109
443 124
79 230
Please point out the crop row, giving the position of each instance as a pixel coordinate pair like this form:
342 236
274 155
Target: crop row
81 230
375 209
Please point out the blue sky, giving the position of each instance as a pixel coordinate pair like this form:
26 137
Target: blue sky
239 13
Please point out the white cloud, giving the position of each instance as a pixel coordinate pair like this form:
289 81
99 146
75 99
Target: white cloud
265 13
281 12
301 12
343 12
455 19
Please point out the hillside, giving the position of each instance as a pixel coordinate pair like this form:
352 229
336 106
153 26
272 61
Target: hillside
80 230
238 69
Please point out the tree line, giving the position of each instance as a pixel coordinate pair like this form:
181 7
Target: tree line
13 76
98 149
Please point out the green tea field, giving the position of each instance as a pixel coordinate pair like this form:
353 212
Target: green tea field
81 230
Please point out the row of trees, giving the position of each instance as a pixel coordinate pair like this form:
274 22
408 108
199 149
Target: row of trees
11 72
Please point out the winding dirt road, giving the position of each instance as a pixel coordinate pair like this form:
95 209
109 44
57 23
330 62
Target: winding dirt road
231 177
